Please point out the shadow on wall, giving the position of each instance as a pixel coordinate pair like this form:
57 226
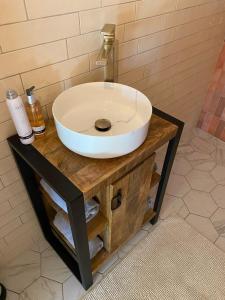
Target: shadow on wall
212 117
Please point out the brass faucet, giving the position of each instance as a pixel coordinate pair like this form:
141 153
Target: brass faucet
106 55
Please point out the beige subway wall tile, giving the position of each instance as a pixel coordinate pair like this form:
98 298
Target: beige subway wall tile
127 49
5 207
133 76
181 4
31 33
10 177
92 76
13 82
57 72
146 8
6 129
18 198
200 25
12 11
14 213
28 216
7 164
35 57
156 40
35 9
92 20
49 93
114 2
9 227
4 149
143 27
84 44
11 191
25 229
4 112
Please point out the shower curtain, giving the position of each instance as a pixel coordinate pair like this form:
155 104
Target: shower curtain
212 117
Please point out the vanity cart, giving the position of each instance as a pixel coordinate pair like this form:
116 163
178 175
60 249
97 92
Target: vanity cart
120 185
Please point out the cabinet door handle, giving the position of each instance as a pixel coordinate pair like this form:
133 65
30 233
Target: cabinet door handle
116 200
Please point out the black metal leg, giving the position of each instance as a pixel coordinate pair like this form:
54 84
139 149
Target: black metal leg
79 231
167 166
30 182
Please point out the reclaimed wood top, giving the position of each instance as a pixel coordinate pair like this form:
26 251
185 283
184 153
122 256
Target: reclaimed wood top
89 174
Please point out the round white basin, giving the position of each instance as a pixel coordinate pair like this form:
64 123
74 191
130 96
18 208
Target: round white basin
102 119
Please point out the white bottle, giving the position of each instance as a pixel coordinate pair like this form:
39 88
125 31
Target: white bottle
19 117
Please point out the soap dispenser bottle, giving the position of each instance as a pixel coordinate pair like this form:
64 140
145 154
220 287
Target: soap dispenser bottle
34 112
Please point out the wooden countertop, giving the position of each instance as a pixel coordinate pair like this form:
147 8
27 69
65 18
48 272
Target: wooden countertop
89 174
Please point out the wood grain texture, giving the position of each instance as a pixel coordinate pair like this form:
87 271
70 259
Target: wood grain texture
89 174
128 218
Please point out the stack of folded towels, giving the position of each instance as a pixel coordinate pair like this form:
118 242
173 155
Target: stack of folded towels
62 223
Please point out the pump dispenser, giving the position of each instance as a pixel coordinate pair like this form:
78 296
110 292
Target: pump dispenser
34 112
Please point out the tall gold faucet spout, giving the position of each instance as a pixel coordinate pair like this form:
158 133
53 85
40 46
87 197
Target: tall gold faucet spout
106 54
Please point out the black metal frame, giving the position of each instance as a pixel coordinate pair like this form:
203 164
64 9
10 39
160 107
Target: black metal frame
31 162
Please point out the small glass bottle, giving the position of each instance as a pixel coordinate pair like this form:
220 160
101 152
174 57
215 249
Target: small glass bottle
35 114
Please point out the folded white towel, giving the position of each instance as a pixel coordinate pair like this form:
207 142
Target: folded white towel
91 206
62 223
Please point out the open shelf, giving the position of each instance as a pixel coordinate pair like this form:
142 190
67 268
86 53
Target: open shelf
94 227
155 179
98 260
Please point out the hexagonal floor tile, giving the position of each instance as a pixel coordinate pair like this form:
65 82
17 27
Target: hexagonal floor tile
177 186
173 206
43 288
202 145
12 296
198 156
201 181
218 220
219 174
200 203
40 245
184 149
72 289
21 271
204 166
53 267
204 226
218 194
220 243
181 166
203 134
219 156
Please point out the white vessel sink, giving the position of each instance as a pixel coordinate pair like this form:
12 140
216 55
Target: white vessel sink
125 109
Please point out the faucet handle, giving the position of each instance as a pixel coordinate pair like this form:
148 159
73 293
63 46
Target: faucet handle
108 30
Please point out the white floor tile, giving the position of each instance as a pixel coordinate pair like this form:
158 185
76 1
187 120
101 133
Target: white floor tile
171 206
218 220
53 267
220 243
177 186
200 203
200 180
72 289
218 194
43 289
204 226
12 296
21 272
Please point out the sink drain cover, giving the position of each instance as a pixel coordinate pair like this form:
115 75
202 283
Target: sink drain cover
102 125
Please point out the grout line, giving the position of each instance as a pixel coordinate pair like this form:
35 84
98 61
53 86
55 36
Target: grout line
25 7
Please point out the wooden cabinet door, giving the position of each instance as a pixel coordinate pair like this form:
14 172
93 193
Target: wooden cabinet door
134 188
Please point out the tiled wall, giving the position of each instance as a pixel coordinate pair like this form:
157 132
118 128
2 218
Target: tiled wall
167 49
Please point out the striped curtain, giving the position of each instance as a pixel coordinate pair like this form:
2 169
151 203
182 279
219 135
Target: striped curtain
212 118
